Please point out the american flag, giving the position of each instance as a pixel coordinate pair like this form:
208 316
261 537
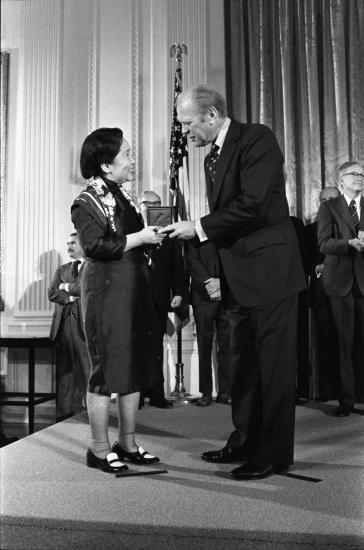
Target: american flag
178 158
179 186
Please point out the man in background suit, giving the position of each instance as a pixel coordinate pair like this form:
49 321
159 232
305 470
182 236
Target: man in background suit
303 355
323 337
341 239
209 313
261 276
72 363
168 288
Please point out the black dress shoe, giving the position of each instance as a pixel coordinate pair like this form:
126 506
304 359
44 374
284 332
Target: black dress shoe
138 457
301 401
251 470
204 401
224 455
160 403
223 398
343 410
111 464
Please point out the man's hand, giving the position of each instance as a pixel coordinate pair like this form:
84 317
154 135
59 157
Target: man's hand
182 230
64 286
176 302
213 288
212 285
358 244
319 269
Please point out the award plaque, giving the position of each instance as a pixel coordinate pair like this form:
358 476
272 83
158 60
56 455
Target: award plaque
159 215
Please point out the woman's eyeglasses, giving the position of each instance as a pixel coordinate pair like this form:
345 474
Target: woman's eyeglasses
151 203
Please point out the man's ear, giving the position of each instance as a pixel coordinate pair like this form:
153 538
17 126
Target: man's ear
106 168
212 114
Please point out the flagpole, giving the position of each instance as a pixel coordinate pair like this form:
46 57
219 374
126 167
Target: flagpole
179 395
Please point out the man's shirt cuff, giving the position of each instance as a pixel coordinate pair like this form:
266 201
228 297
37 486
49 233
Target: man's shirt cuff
200 232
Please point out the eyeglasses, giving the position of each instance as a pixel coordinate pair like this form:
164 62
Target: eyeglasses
151 203
355 174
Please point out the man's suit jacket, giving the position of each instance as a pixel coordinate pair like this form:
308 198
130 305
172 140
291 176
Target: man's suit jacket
249 220
167 274
61 298
316 294
342 262
202 263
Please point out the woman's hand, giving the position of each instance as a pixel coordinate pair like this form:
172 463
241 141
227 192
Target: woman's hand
150 235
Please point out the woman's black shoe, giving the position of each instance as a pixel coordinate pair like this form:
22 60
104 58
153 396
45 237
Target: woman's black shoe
138 457
107 464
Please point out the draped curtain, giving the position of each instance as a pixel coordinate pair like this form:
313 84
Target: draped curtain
298 67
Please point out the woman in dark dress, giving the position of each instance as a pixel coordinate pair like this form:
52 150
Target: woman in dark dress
116 297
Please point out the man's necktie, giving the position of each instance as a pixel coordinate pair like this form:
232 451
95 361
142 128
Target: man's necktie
354 214
75 268
211 159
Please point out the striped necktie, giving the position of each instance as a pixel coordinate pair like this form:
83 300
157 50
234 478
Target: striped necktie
211 159
75 268
354 214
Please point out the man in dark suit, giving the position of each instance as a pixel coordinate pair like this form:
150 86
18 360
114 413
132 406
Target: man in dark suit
261 276
341 239
210 317
72 363
303 355
323 339
168 288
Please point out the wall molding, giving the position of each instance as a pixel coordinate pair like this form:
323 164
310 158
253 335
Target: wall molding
93 76
192 31
134 90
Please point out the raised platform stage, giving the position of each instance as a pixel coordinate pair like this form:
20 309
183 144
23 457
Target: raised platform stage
51 500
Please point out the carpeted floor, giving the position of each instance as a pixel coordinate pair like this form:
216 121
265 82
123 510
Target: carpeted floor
51 500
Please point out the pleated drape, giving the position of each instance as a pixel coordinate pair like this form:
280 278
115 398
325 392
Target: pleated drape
298 67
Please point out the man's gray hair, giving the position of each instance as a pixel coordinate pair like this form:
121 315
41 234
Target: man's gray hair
204 97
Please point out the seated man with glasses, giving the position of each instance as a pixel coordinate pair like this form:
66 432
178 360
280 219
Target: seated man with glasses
341 239
168 283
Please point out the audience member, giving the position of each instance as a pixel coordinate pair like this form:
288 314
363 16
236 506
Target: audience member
323 342
116 297
303 343
72 362
210 319
342 242
168 280
261 276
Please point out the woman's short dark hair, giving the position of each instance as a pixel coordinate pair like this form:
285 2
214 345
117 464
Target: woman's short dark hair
100 147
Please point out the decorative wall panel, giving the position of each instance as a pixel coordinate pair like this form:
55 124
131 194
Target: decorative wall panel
37 149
